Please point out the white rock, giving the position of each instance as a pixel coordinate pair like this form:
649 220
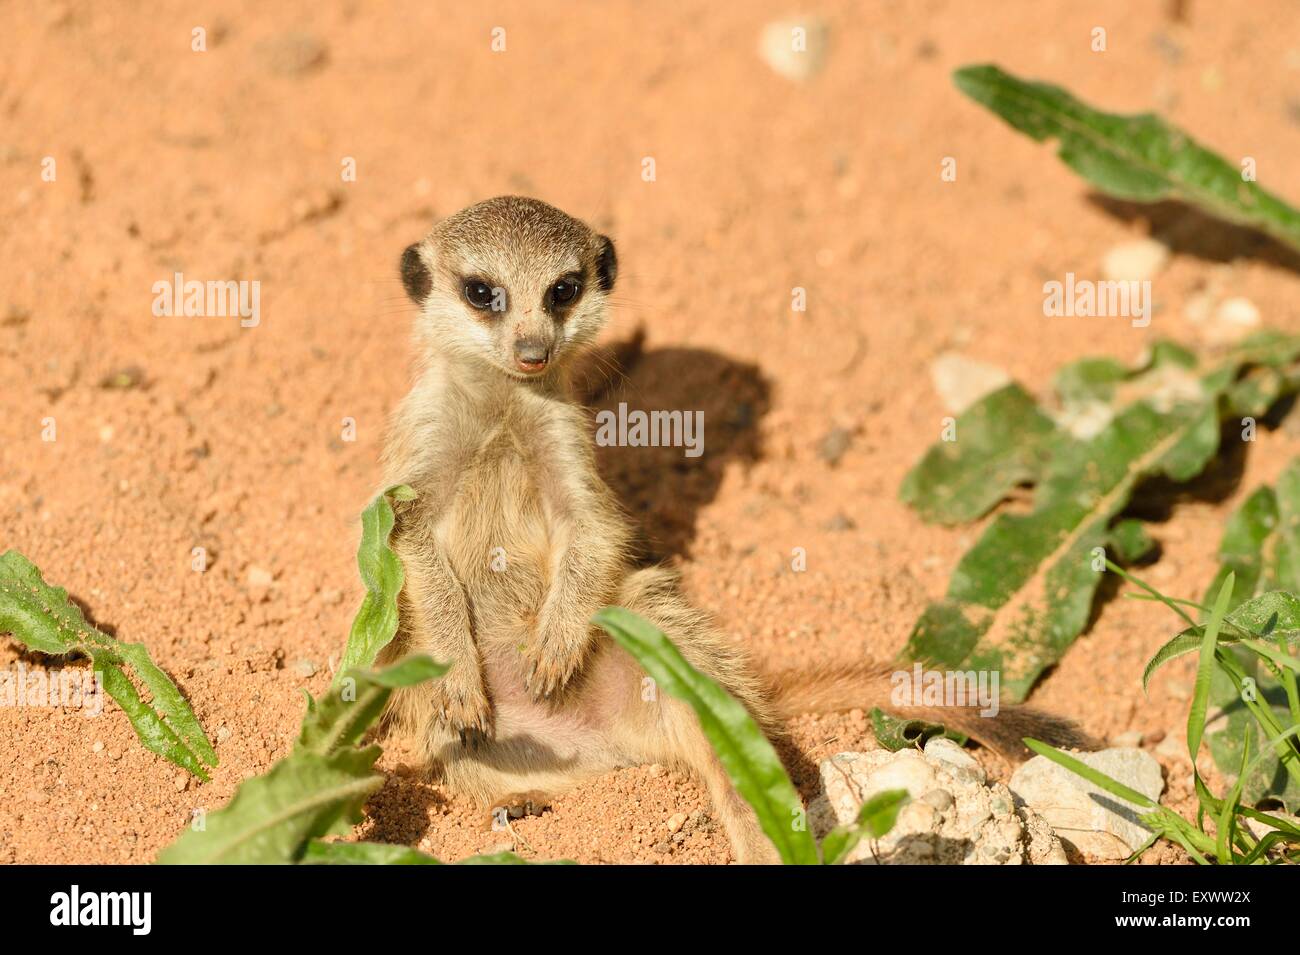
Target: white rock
952 818
1240 312
961 381
1135 261
1095 822
1259 829
794 48
259 577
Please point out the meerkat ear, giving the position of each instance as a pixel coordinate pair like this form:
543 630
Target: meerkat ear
415 274
606 263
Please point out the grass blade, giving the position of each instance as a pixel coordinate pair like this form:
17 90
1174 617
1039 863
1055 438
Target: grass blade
1205 669
740 745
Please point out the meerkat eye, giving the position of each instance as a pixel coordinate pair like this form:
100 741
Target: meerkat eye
483 296
565 291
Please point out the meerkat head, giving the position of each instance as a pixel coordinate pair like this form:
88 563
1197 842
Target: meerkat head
513 282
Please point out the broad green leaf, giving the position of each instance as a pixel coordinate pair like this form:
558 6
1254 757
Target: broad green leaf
1000 441
272 818
1023 593
317 790
894 734
1250 617
742 748
381 571
43 618
1136 157
356 700
320 852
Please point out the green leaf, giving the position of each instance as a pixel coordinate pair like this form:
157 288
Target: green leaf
1261 546
381 571
1023 593
317 790
1136 157
43 618
743 750
879 813
894 733
875 820
356 700
1205 667
1250 617
272 817
1129 541
1002 440
320 852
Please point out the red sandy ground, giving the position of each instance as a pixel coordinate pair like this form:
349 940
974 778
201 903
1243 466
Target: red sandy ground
226 164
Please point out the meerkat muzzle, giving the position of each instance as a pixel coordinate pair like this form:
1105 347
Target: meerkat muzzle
531 355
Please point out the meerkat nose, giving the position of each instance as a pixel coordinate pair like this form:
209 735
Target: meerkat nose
531 354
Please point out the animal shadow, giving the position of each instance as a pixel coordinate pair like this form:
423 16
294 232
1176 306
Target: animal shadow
662 488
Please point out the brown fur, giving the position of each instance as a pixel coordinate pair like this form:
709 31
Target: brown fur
502 462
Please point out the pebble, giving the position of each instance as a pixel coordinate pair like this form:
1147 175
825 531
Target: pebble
304 668
833 445
961 381
1136 261
676 821
259 577
776 46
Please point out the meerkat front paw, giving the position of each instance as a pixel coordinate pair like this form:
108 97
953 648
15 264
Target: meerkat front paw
553 658
460 702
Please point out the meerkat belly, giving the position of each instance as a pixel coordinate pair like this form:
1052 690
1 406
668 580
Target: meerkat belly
496 536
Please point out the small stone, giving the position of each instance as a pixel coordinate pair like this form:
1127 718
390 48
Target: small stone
940 799
259 578
331 596
1239 312
1136 261
795 48
97 747
180 782
1127 740
955 759
834 444
304 668
961 381
676 821
663 848
223 733
292 53
840 522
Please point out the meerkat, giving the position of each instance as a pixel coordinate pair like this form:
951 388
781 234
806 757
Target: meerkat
513 542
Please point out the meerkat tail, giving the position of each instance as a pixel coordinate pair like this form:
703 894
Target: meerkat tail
835 688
